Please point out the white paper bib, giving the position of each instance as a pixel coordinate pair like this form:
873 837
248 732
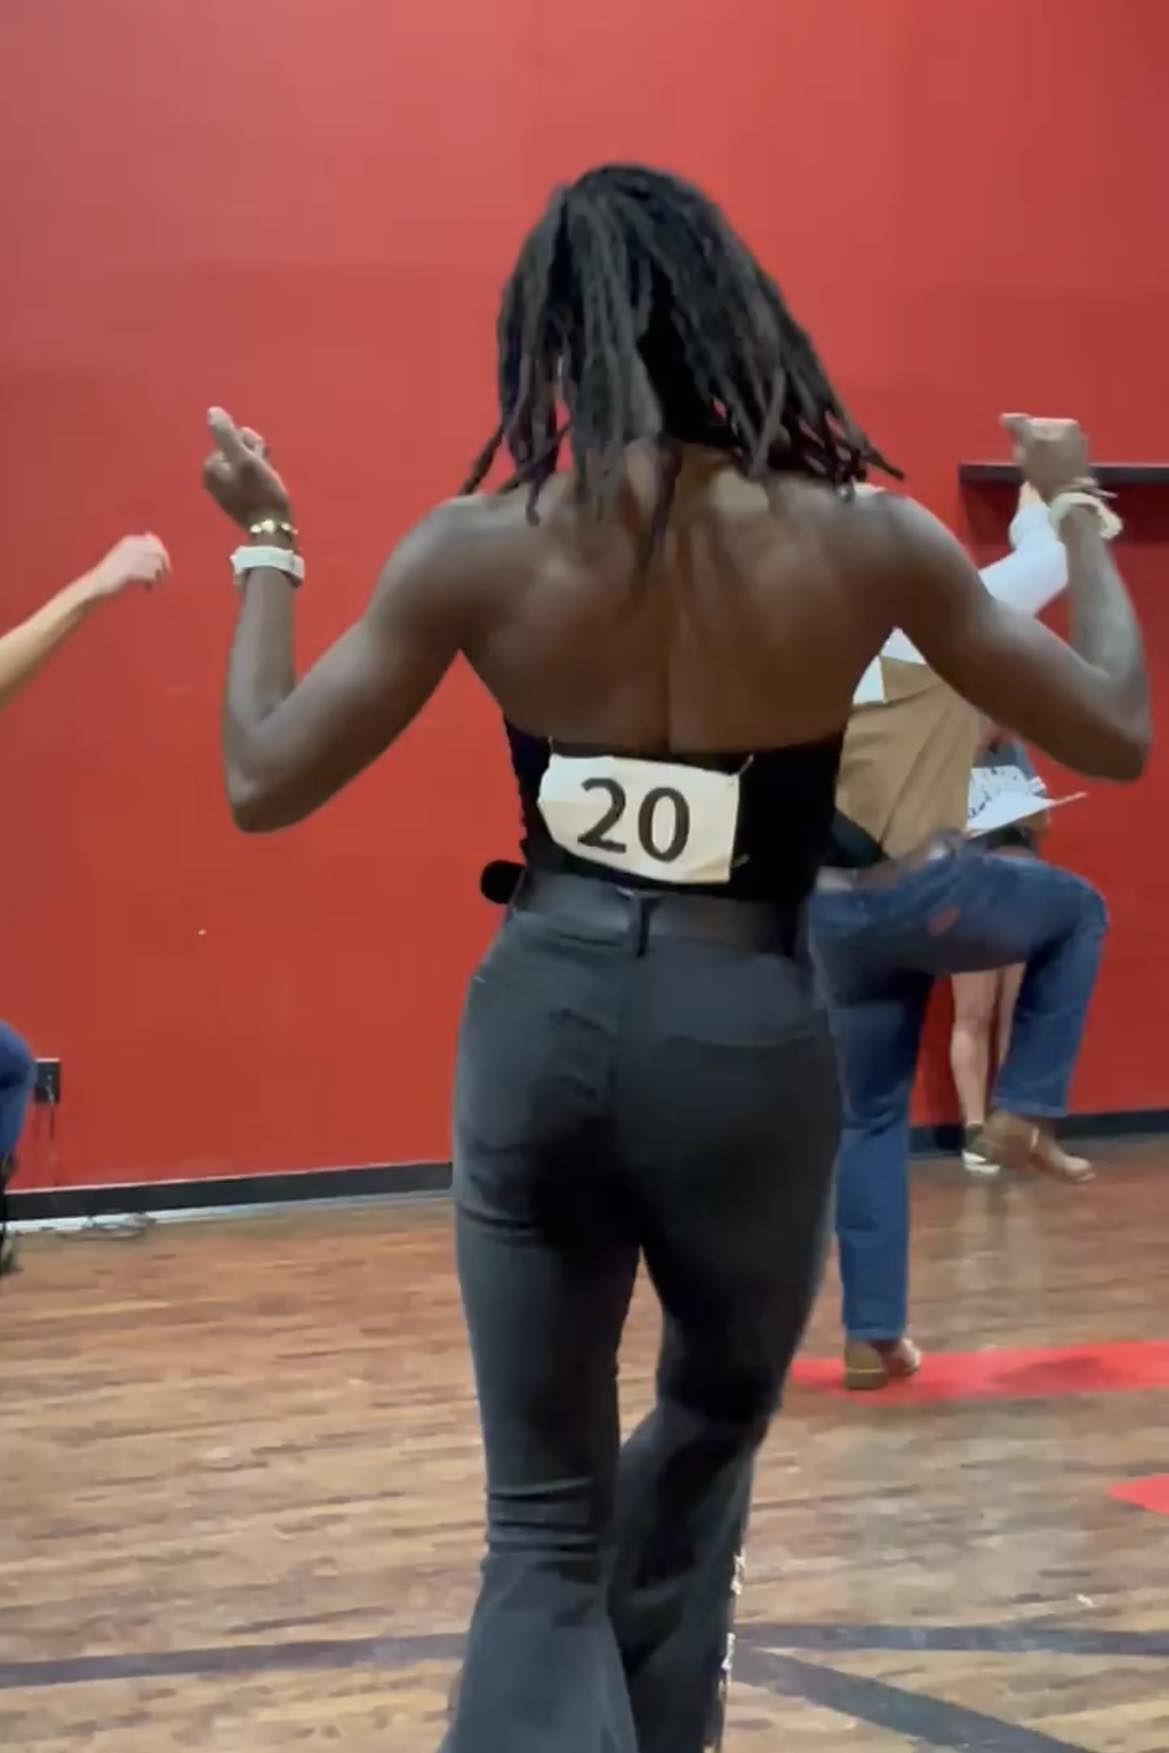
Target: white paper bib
655 819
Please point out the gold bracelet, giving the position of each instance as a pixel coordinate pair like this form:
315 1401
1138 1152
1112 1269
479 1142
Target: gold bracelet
274 526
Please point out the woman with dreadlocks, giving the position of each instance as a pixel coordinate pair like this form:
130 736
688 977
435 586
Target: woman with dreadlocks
673 628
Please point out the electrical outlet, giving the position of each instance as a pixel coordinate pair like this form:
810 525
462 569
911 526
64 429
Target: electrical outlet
47 1089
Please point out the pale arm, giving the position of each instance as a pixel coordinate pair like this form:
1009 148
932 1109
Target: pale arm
25 649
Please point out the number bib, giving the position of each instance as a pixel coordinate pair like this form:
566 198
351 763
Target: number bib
655 819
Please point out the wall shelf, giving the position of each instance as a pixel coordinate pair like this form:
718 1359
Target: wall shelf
1110 475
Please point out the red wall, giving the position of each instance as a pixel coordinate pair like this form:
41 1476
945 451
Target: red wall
305 210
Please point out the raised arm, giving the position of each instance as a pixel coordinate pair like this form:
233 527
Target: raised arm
1087 703
1035 572
289 745
1032 575
25 650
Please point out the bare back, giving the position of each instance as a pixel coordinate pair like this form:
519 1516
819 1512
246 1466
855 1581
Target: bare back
749 628
759 611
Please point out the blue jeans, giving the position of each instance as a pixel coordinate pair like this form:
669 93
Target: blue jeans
878 950
18 1071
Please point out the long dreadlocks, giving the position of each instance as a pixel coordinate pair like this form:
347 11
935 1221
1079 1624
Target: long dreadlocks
634 280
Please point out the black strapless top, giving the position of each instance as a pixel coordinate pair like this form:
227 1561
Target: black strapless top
786 806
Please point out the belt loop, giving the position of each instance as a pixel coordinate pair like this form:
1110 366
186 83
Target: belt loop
643 910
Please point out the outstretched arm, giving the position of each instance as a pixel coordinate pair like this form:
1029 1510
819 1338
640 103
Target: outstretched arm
289 745
1086 703
26 649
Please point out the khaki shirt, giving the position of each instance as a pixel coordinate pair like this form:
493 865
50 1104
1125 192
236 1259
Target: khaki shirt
911 740
905 770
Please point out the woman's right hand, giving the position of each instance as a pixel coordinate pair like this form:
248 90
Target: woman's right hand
133 560
239 476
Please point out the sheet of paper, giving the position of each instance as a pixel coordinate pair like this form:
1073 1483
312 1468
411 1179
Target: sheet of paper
1007 807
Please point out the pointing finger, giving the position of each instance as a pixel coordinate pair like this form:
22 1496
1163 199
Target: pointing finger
227 436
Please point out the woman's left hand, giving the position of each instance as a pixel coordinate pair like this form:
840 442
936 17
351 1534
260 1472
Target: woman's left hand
239 476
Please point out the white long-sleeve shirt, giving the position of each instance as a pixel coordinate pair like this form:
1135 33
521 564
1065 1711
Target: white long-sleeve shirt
911 740
1032 575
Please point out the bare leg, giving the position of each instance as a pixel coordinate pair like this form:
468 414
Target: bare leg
974 1007
975 999
1010 981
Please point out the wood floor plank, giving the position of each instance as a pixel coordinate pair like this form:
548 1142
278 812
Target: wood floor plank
243 1500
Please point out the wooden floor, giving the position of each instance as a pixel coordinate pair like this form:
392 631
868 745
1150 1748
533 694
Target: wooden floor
241 1493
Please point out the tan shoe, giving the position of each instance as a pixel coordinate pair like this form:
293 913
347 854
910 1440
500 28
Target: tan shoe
1021 1144
1009 1140
874 1363
1050 1159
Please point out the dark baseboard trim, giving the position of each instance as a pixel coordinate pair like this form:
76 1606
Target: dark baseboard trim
128 1198
409 1180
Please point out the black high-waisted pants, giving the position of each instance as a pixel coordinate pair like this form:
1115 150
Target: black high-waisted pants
638 1078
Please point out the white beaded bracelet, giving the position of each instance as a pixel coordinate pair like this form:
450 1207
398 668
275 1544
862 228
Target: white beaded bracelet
255 557
1110 524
